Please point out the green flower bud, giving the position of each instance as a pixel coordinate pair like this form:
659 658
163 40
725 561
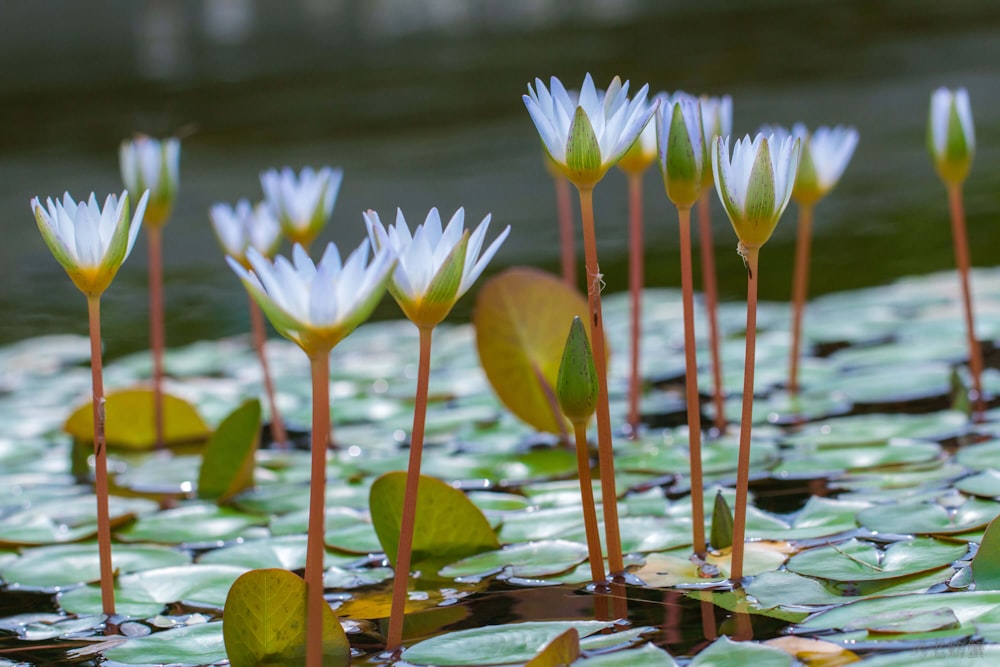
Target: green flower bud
576 387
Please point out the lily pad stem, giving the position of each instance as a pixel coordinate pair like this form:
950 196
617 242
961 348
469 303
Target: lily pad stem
750 256
604 444
401 576
157 337
961 242
800 288
278 433
635 284
711 293
100 459
315 546
691 384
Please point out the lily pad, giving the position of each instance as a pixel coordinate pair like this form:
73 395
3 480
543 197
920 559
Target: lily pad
646 655
856 560
228 463
193 523
61 566
129 420
724 652
955 514
191 645
494 644
532 559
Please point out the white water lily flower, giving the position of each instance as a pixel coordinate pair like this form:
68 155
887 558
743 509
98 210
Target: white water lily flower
317 305
90 242
951 136
302 203
436 266
243 227
681 147
825 154
151 164
756 184
587 135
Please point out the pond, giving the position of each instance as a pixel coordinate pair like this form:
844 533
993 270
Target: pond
419 102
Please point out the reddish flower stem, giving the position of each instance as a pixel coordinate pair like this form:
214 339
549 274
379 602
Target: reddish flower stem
278 432
589 507
401 577
800 288
604 444
961 242
315 546
635 285
711 292
100 459
691 384
567 240
156 334
746 417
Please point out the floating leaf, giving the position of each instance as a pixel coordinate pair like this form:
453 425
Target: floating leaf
61 566
70 519
227 466
129 420
189 645
726 653
533 559
855 560
494 644
266 622
986 564
646 655
814 652
521 318
193 523
930 518
559 652
663 570
447 527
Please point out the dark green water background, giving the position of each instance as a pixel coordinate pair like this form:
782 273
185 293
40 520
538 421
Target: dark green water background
420 102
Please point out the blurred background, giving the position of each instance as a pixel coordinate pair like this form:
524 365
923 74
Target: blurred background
420 102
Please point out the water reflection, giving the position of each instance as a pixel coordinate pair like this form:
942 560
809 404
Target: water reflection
420 103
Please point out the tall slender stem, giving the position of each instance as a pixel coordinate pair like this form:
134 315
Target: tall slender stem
605 447
100 459
711 305
401 577
800 288
635 285
278 432
567 240
746 417
691 384
156 334
961 242
320 365
589 508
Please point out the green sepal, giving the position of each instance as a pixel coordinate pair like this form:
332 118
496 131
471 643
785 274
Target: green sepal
583 152
432 307
576 386
759 219
682 171
722 524
807 188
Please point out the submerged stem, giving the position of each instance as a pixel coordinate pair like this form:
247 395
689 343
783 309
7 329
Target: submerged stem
691 384
315 549
157 336
746 417
635 285
100 459
961 242
278 432
567 240
711 306
800 288
589 508
604 444
401 577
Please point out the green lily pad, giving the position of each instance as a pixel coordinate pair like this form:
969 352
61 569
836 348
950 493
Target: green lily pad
872 429
54 567
190 645
65 520
286 551
347 529
193 523
448 526
562 650
228 461
663 570
718 457
494 644
642 534
724 652
144 594
781 588
959 655
266 622
980 456
818 518
646 655
930 518
986 563
894 383
533 559
985 484
824 462
855 560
